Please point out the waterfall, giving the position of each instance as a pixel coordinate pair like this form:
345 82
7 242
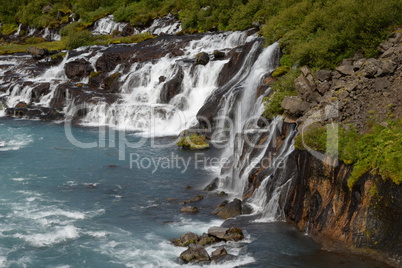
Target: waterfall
253 150
164 25
19 30
51 35
107 25
143 109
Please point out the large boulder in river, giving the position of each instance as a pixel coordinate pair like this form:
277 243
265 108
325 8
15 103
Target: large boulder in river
226 234
230 210
195 254
78 69
202 58
186 239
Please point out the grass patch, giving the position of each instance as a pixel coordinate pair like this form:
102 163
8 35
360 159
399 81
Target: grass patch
8 29
377 152
16 48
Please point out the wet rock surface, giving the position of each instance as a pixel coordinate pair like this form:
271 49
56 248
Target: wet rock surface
341 219
195 254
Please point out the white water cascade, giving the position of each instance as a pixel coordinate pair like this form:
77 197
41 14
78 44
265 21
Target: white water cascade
250 146
107 25
141 108
51 35
164 25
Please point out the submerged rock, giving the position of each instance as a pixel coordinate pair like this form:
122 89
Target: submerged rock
194 199
189 209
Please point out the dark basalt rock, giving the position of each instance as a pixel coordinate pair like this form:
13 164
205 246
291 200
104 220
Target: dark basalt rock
172 87
226 234
202 58
219 55
78 69
220 255
39 90
34 112
212 186
186 239
111 83
363 223
206 240
195 254
230 210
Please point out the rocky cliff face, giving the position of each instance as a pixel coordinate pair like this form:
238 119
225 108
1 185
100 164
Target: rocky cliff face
359 91
365 219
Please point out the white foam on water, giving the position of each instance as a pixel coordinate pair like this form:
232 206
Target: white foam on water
20 179
152 254
213 169
3 261
185 225
60 234
13 142
99 234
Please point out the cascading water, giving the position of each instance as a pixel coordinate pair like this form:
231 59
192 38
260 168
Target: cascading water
143 108
142 104
107 25
249 146
164 25
51 35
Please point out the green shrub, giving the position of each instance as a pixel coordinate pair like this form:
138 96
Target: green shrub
8 29
78 39
377 152
281 88
280 71
34 40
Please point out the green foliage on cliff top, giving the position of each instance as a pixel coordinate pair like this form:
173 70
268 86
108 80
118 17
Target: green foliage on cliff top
377 152
193 142
318 33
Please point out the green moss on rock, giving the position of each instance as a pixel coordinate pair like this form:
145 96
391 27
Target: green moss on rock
280 71
193 142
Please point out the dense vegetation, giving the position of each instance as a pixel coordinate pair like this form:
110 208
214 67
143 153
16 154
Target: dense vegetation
377 152
318 33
